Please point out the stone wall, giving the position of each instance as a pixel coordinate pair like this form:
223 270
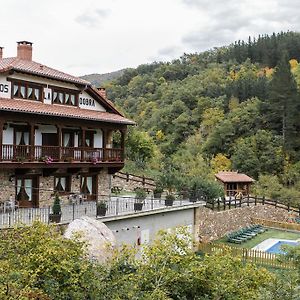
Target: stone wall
213 225
131 184
7 187
104 185
46 187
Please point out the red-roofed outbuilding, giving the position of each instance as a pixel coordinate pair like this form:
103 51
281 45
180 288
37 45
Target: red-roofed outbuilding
235 183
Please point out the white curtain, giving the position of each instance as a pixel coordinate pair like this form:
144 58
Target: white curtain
18 137
67 137
16 88
26 138
73 99
61 97
29 92
63 182
89 184
22 91
28 188
36 94
19 183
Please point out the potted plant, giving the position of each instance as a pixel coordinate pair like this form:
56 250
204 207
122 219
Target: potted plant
55 217
101 208
157 192
140 196
169 200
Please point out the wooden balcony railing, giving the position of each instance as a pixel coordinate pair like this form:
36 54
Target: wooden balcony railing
26 153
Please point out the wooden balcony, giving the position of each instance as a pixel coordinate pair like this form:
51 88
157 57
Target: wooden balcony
56 154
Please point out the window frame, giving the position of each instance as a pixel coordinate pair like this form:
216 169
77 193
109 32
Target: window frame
68 184
26 84
64 92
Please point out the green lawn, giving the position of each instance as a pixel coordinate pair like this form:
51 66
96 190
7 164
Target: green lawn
271 233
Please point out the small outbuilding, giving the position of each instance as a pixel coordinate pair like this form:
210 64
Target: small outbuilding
235 184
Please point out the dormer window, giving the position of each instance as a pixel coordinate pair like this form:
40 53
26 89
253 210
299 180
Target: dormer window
26 90
64 96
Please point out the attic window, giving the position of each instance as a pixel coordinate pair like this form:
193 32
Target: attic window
25 90
64 96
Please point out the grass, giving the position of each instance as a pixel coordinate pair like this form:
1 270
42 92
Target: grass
270 233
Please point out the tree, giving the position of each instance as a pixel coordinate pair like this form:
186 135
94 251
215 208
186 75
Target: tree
283 104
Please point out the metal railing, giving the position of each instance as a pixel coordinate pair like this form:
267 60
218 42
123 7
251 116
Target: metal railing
115 206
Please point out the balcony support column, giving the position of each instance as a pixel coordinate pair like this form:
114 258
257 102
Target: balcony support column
32 141
105 135
123 135
1 138
83 129
59 136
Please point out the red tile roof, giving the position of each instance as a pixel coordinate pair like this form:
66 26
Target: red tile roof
233 177
34 107
35 68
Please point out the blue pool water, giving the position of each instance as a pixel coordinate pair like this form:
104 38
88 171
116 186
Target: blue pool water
276 249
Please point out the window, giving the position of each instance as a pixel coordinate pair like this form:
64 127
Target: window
61 96
62 184
27 191
88 186
26 90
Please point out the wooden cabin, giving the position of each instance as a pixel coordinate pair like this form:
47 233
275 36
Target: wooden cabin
235 184
58 134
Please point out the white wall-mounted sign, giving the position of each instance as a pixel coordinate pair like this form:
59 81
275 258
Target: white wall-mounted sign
87 102
5 88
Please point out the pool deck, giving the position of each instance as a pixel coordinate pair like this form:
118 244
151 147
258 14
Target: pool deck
268 243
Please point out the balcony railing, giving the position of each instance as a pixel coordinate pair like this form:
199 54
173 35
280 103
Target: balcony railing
25 153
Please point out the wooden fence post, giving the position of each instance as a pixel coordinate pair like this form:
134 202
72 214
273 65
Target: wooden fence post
127 177
234 202
229 202
275 202
248 200
240 201
255 200
289 206
213 205
263 200
218 204
224 201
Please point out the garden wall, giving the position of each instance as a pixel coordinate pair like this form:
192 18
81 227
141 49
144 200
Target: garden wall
215 224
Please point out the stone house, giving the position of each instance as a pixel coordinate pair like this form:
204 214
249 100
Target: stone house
57 133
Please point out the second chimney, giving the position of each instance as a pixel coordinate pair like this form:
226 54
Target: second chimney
24 50
1 52
102 92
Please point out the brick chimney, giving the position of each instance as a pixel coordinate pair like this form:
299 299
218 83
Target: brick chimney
24 50
102 92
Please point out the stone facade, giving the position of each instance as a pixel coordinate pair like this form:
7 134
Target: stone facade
132 183
46 187
7 185
213 225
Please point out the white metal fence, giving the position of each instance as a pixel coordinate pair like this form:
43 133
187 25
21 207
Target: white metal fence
115 206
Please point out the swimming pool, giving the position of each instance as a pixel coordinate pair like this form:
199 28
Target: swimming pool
276 248
273 246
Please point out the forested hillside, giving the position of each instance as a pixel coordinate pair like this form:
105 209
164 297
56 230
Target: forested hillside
234 107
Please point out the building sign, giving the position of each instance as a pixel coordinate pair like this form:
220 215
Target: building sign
5 88
86 101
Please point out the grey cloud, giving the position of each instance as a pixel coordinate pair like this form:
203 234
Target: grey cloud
233 19
92 18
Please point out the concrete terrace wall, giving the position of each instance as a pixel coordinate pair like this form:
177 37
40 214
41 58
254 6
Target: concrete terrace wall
213 225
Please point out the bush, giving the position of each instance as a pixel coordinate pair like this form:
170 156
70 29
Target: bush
56 208
140 194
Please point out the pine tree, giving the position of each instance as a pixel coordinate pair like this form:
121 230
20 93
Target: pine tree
283 104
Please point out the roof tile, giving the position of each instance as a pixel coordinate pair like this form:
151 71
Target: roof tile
34 107
233 177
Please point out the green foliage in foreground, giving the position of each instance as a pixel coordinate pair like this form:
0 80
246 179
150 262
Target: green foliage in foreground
38 263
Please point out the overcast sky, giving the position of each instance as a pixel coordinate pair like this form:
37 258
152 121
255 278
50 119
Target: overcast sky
96 36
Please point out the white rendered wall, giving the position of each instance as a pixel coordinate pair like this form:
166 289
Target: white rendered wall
8 136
